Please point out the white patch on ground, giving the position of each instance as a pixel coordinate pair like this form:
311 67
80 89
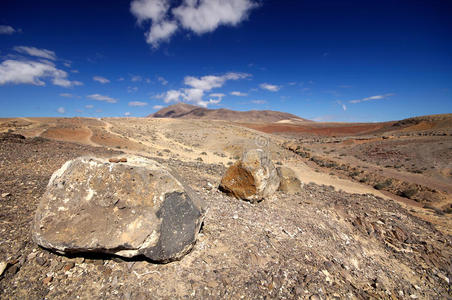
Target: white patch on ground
90 194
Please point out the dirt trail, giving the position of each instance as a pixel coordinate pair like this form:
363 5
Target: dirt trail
308 175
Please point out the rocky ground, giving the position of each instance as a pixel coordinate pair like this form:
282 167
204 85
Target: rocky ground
319 244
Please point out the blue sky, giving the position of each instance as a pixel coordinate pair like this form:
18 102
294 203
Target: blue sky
362 61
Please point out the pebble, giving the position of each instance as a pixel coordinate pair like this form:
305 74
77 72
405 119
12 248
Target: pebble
79 260
47 280
3 266
68 266
235 216
40 261
31 255
4 195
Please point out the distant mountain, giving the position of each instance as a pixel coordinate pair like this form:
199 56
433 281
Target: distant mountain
188 111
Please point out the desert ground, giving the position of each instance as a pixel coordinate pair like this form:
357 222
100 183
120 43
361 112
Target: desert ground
373 220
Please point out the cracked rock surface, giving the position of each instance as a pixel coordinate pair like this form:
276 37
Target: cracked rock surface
126 209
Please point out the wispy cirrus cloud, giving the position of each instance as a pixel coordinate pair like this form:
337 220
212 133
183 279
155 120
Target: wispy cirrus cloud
157 107
99 97
67 95
270 87
101 79
137 103
377 97
258 101
6 29
162 80
136 78
238 94
197 86
32 51
132 89
195 16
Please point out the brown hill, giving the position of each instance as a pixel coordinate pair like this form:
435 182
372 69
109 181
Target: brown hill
188 111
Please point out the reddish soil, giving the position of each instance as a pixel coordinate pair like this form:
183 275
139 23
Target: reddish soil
330 129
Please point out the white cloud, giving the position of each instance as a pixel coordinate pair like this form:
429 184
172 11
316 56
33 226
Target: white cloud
197 16
121 79
239 94
199 85
157 106
61 110
32 51
132 89
162 80
6 29
67 95
258 101
344 107
209 82
99 97
136 78
89 106
127 114
206 15
377 97
101 79
137 103
154 10
160 32
270 87
33 72
217 97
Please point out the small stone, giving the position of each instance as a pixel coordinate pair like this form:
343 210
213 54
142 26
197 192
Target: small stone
123 160
212 284
235 216
114 160
290 184
4 195
47 280
3 266
31 256
40 261
79 260
68 266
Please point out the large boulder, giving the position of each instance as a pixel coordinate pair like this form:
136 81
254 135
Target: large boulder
290 184
127 209
252 178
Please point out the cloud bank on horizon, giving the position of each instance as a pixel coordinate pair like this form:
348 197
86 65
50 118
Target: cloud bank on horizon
198 16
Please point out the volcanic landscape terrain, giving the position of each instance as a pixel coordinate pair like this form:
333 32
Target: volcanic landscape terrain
373 219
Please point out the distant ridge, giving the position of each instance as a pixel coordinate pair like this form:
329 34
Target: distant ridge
187 111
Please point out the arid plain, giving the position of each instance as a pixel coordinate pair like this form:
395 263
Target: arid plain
374 218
